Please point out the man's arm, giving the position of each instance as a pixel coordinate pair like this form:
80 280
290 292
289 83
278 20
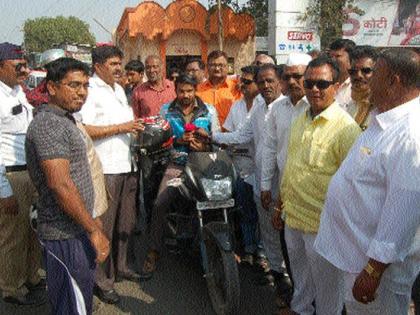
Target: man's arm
8 202
100 132
399 220
57 175
241 136
269 153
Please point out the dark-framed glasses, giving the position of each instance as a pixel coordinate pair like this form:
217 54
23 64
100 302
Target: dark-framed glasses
246 81
320 84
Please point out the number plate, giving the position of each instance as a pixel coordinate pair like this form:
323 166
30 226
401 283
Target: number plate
219 204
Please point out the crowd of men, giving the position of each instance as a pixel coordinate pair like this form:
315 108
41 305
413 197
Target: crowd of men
328 195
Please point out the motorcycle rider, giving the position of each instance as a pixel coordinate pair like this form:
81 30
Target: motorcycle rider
185 113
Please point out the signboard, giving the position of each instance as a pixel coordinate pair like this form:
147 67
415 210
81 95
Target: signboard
297 40
384 23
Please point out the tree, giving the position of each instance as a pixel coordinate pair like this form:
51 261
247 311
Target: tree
257 8
328 16
42 33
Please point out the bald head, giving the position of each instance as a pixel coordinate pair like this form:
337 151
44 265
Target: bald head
153 68
262 59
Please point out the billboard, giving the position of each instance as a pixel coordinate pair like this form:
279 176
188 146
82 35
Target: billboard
384 23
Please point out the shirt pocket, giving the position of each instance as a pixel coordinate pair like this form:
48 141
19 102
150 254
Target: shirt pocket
320 155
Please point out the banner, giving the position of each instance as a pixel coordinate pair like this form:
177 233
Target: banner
384 23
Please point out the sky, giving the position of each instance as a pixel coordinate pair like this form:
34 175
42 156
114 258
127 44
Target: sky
13 14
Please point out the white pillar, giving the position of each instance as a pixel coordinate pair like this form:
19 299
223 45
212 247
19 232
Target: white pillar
286 33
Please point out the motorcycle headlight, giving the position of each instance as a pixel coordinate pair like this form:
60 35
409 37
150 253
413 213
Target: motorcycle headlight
217 189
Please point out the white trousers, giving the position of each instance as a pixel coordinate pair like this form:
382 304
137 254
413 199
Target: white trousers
270 237
315 279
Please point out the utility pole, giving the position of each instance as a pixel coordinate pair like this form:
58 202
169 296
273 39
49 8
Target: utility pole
220 28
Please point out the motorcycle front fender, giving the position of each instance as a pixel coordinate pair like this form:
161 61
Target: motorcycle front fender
220 234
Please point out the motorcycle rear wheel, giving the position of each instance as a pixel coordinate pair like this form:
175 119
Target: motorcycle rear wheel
223 280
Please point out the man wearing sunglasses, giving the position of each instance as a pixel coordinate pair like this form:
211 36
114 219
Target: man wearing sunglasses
270 84
319 141
245 164
19 247
363 59
372 204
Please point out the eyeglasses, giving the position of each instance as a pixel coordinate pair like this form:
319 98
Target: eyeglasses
217 65
320 84
20 66
246 81
296 76
354 71
76 86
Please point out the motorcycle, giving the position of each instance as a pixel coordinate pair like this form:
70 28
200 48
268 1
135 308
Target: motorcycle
202 217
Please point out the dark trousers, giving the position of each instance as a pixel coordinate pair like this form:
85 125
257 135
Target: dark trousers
416 295
166 198
70 266
119 221
248 215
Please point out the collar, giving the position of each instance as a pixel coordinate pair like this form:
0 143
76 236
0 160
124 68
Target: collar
288 102
166 84
56 110
345 83
208 84
330 113
389 117
7 90
101 83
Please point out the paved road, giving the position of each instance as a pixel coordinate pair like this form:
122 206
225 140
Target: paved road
177 288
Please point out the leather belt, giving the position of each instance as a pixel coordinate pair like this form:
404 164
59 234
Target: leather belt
16 168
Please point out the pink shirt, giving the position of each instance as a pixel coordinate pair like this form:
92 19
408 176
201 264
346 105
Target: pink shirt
147 101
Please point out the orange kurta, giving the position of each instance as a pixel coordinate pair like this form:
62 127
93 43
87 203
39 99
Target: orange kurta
221 97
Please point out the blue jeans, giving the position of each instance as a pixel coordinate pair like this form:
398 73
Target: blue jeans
248 215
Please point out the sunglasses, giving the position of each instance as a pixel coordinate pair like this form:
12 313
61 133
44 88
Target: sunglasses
354 71
20 66
320 84
295 76
246 81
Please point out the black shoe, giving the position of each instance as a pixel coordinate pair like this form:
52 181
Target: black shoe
27 300
127 275
265 279
40 286
109 297
283 283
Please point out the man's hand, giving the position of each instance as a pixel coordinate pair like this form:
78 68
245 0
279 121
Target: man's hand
266 199
364 288
101 245
132 126
277 221
197 145
9 205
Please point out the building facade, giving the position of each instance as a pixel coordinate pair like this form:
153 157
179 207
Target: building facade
185 28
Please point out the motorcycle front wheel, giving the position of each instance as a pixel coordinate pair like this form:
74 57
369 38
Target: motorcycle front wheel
222 280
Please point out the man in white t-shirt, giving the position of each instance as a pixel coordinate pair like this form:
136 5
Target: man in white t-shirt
245 164
109 120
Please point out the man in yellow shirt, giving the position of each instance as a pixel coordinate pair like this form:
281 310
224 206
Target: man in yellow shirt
219 90
319 141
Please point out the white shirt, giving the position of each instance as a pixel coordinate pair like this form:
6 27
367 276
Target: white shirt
343 96
12 132
235 120
252 129
276 138
372 209
106 106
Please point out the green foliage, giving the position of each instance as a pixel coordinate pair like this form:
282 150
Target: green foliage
42 33
329 16
257 8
